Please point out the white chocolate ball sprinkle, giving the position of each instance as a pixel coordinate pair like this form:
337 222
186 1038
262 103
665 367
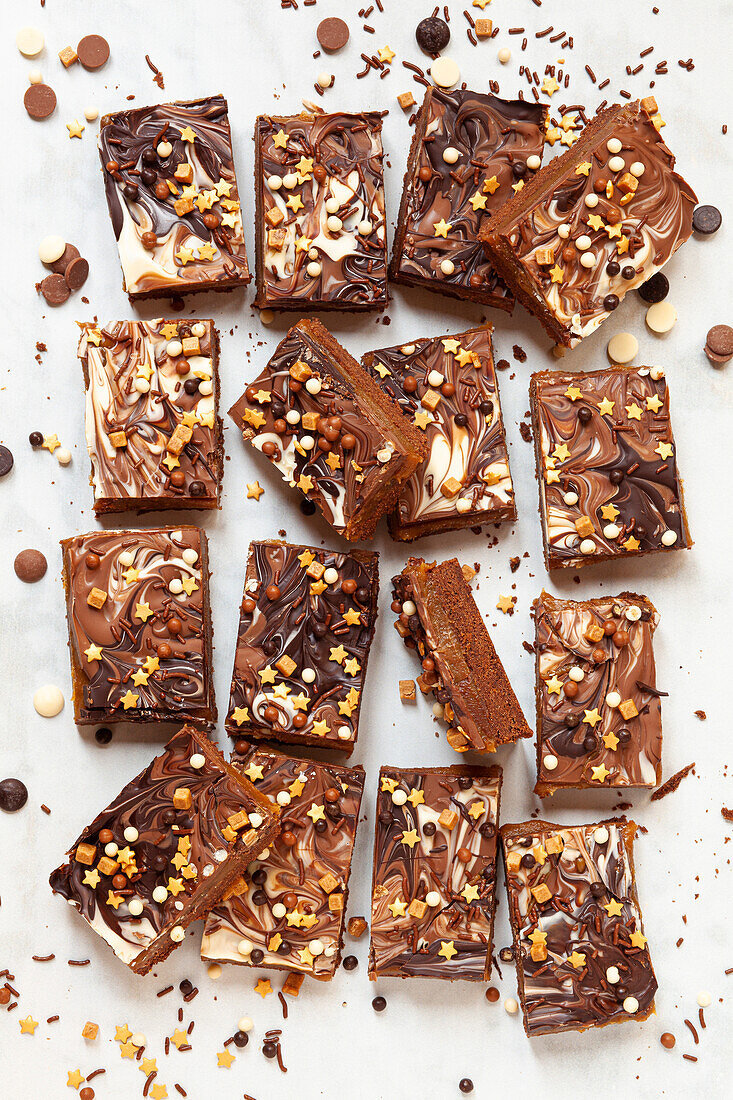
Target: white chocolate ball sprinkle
399 797
63 456
576 673
631 1005
142 385
703 999
35 76
334 224
244 947
127 557
164 149
432 898
284 798
364 228
316 948
435 378
611 531
613 699
583 242
190 556
307 442
174 348
332 204
587 546
308 675
206 388
463 504
591 201
131 834
563 231
135 908
177 934
344 733
588 259
656 373
669 538
138 1039
91 113
409 608
511 1006
292 416
255 820
160 894
447 267
278 910
550 762
245 1024
633 613
504 55
290 180
614 145
313 269
111 849
331 576
324 79
274 182
637 169
314 385
175 586
48 701
571 497
617 164
612 975
533 162
451 155
600 835
197 761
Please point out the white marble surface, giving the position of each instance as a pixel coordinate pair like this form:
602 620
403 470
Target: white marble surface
432 1034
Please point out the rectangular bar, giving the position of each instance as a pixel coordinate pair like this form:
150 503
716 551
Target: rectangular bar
306 625
579 945
289 912
434 875
163 852
153 430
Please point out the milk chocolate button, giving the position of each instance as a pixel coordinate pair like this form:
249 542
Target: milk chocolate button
55 290
39 101
93 51
13 795
719 344
706 219
59 266
6 461
76 273
30 566
332 34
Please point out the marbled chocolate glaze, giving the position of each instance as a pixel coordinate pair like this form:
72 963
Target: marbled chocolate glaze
566 638
645 230
610 445
333 159
290 874
130 140
583 877
465 433
305 625
114 358
180 686
345 482
187 848
494 138
409 945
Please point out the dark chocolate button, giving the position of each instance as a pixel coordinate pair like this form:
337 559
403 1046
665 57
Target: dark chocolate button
307 507
76 273
55 290
432 34
71 252
30 566
584 414
93 51
186 987
613 268
13 795
655 289
705 219
6 461
103 735
332 34
39 101
269 1048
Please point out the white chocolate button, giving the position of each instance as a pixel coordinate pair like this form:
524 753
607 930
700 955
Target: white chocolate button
614 145
435 378
190 556
35 76
550 762
142 385
290 180
447 267
432 898
175 586
669 538
177 934
637 169
661 318
278 909
314 385
284 798
51 249
331 575
131 834
331 205
571 498
48 701
214 972
292 416
703 999
587 547
197 761
409 608
600 835
334 224
343 733
29 41
199 329
612 975
174 348
160 894
622 348
312 253
308 675
617 164
63 457
633 613
563 231
111 849
511 1006
126 558
135 908
324 79
255 820
445 72
274 182
504 55
533 162
399 797
631 1005
206 388
316 948
451 155
307 442
613 699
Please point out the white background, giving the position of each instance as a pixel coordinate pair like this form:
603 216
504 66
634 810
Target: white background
433 1033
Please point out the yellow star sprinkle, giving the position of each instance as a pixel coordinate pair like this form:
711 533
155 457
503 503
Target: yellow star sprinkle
610 740
600 774
654 403
609 512
577 959
50 443
184 255
321 729
441 228
592 717
306 558
476 809
518 186
93 653
337 654
179 1038
304 166
333 461
633 411
74 1078
224 1059
664 450
553 686
550 85
389 785
305 483
638 939
538 936
491 185
352 617
129 700
91 878
140 678
158 1092
148 1066
305 956
552 135
505 604
131 575
410 838
631 543
481 3
447 949
300 702
556 274
416 797
352 666
263 987
469 893
28 1026
478 201
605 407
614 908
422 418
295 203
398 908
206 252
122 1033
303 244
187 134
386 55
561 452
573 393
267 674
280 140
75 128
128 1050
316 812
595 221
583 169
240 715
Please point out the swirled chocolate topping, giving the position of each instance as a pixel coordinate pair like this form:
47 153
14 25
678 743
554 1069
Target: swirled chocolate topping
448 388
594 224
330 430
434 876
140 629
469 153
606 465
165 850
321 238
289 911
173 198
307 622
599 718
579 946
439 619
153 434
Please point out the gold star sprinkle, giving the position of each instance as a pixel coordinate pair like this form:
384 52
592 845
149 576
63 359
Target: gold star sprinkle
398 908
91 878
50 443
610 740
583 169
129 700
295 203
481 3
447 949
505 604
556 274
416 797
476 809
553 686
189 586
538 936
114 900
267 674
386 55
321 729
75 128
140 678
337 654
263 987
128 1050
469 893
333 461
638 939
296 788
179 1038
389 785
633 411
316 812
550 85
304 166
306 558
158 1092
478 201
93 653
280 140
631 543
573 393
595 221
552 135
305 956
605 407
74 1078
206 252
654 403
300 701
305 483
614 908
240 715
441 228
577 959
122 1033
352 666
353 617
592 717
518 186
609 512
600 774
664 450
184 255
148 1066
224 1059
28 1026
187 134
561 452
422 418
410 838
491 185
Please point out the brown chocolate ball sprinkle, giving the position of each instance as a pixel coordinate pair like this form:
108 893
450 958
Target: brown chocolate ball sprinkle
30 566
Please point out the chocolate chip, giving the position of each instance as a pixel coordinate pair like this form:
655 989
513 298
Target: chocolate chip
705 219
103 735
71 252
379 1004
655 289
432 34
332 34
191 385
55 290
30 566
350 962
35 439
186 987
76 273
6 461
13 795
93 51
39 101
307 507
